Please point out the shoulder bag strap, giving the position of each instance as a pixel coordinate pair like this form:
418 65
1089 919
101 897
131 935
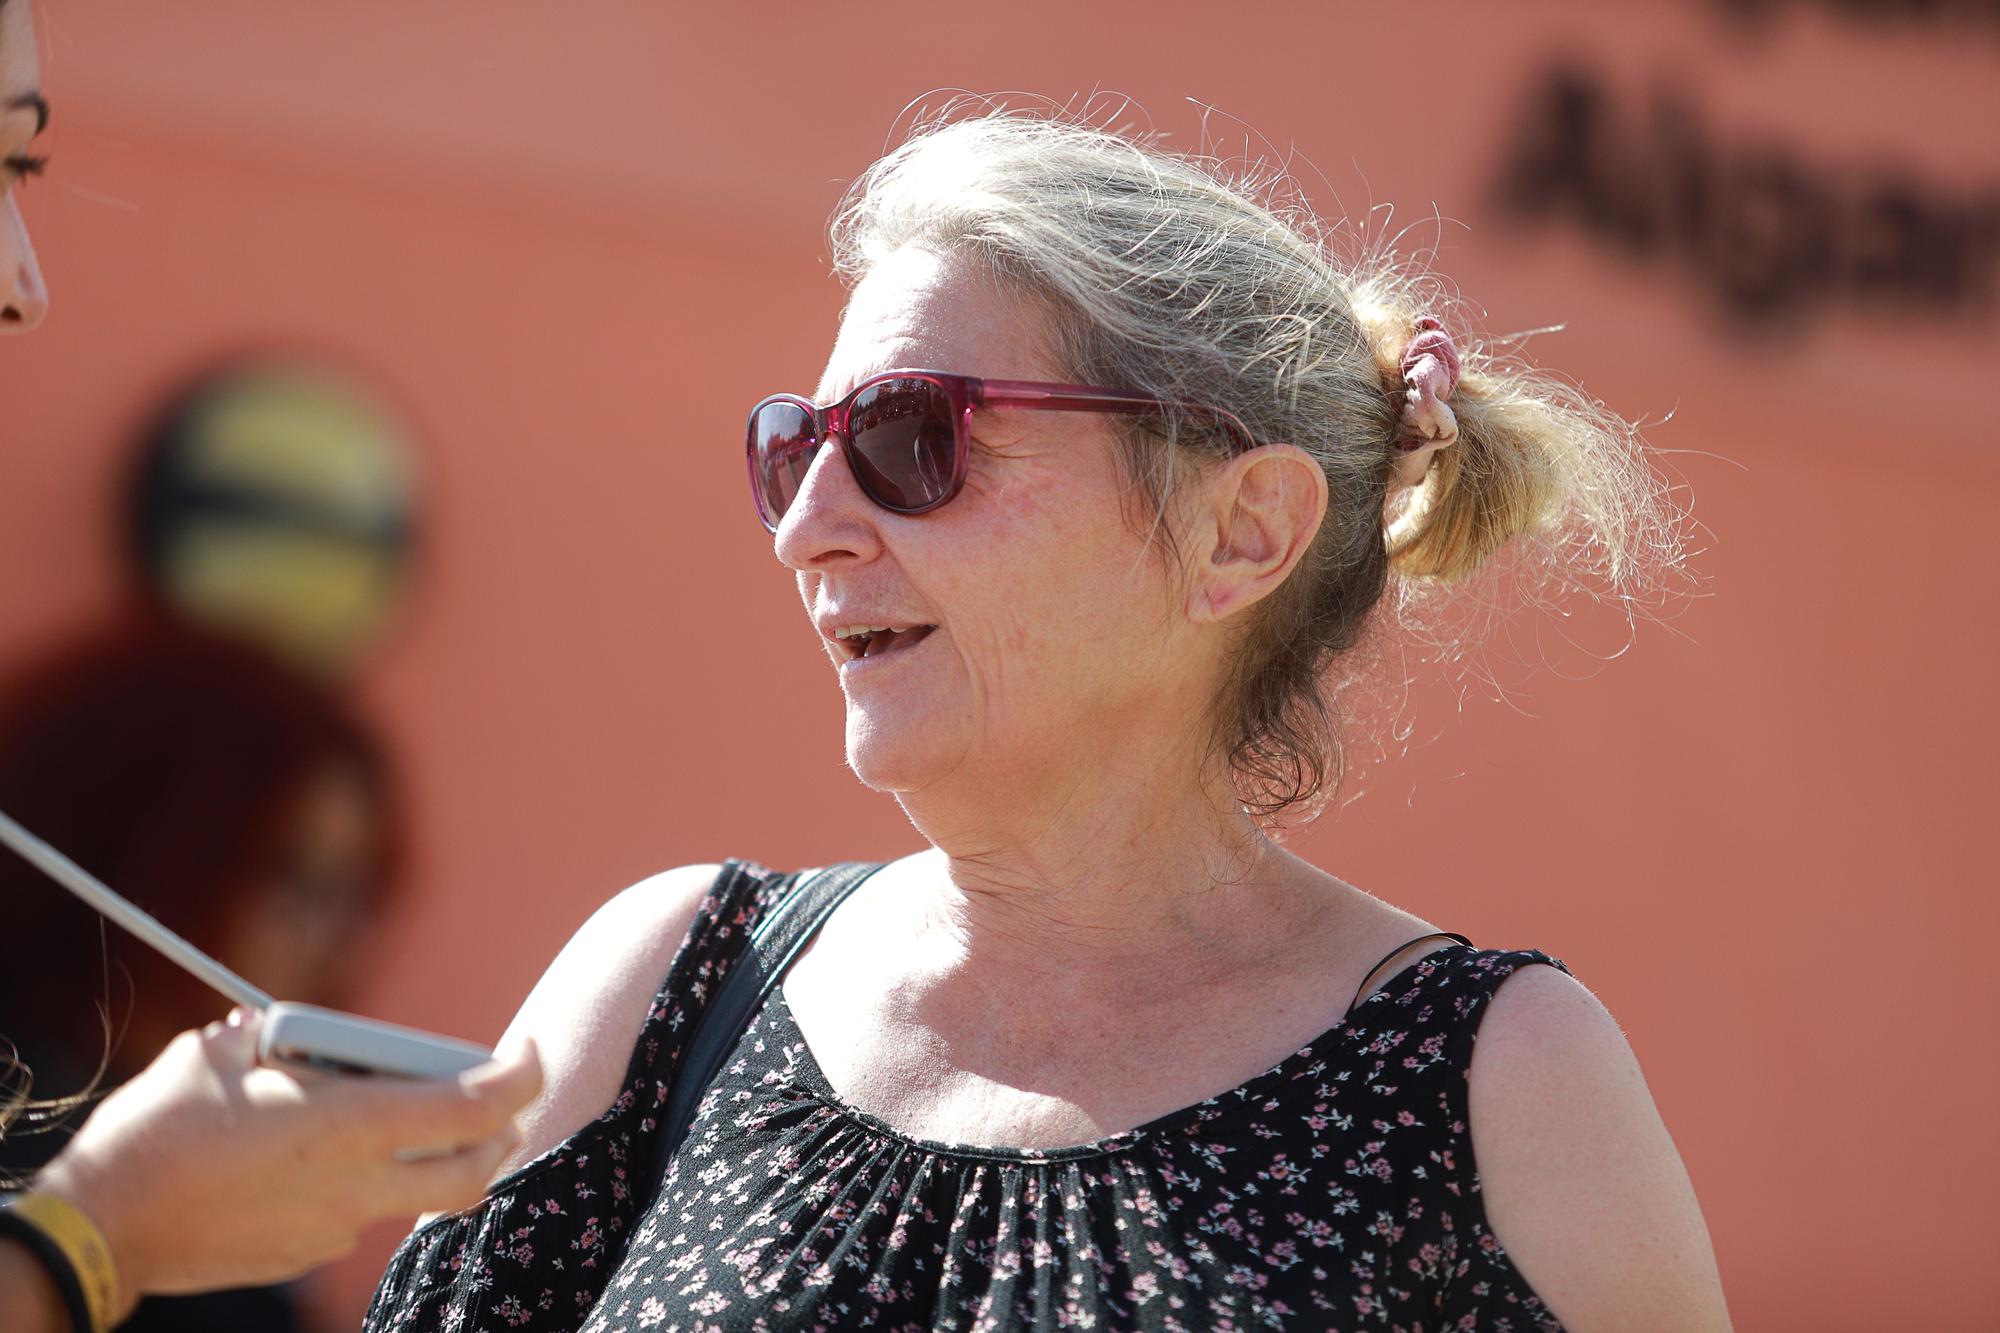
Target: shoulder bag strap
745 986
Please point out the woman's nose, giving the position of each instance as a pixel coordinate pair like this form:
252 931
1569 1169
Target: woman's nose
24 297
829 519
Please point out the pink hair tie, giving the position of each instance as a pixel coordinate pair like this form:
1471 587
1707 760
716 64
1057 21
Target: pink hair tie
1427 424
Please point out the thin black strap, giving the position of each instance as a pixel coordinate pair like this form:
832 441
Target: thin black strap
1362 989
776 941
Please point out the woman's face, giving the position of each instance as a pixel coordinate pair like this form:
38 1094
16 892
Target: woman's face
1056 628
23 297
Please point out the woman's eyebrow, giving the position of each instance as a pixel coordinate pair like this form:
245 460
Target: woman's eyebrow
32 102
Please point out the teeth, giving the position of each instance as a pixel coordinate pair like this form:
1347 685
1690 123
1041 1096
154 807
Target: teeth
854 631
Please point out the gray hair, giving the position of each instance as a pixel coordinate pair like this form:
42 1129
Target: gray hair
1168 274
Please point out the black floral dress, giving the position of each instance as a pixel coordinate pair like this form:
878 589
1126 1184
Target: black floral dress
1336 1191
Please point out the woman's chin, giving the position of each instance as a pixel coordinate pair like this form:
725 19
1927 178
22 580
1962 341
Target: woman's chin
897 756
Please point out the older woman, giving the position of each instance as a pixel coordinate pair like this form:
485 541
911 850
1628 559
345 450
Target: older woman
1108 467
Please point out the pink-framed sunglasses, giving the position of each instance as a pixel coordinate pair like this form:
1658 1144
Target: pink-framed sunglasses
904 433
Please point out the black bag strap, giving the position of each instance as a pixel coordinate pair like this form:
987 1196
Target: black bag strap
1369 975
776 941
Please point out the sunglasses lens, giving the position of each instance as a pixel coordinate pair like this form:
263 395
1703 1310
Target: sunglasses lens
782 445
905 443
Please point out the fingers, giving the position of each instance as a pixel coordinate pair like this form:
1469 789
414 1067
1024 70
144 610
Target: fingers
446 1183
232 1042
511 1078
444 1141
389 1114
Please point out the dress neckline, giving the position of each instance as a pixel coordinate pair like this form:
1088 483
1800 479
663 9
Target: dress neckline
814 1081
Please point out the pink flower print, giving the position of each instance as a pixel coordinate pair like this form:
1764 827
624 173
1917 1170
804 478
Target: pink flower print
1242 1275
1316 1230
651 1312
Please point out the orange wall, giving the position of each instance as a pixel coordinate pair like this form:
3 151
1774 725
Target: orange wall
562 231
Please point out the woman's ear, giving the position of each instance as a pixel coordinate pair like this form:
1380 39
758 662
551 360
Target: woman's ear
1258 513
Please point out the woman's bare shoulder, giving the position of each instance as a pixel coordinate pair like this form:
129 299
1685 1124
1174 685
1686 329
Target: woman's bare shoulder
586 1011
1581 1182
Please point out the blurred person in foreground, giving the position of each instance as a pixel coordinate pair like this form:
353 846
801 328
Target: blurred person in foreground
234 799
1114 462
207 1170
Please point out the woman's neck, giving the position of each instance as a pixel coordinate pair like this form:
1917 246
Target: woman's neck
1109 871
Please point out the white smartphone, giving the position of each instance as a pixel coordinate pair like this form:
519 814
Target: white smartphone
301 1035
315 1038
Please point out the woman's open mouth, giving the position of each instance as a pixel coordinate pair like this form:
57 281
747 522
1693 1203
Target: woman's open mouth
856 642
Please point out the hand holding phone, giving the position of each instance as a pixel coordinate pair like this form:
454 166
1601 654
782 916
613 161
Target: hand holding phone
210 1169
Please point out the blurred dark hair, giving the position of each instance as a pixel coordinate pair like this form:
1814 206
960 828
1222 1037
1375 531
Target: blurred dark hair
169 761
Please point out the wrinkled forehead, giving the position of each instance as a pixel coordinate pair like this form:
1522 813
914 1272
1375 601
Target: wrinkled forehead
917 309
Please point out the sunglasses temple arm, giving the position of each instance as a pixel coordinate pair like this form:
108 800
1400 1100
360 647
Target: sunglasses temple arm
1060 398
1064 398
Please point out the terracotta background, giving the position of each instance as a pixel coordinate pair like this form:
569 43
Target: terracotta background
1764 835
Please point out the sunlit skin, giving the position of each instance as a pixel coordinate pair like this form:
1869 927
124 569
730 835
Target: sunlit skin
1051 740
24 297
1058 630
1073 659
1097 935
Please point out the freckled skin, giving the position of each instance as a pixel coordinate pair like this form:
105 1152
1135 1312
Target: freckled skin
1060 634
